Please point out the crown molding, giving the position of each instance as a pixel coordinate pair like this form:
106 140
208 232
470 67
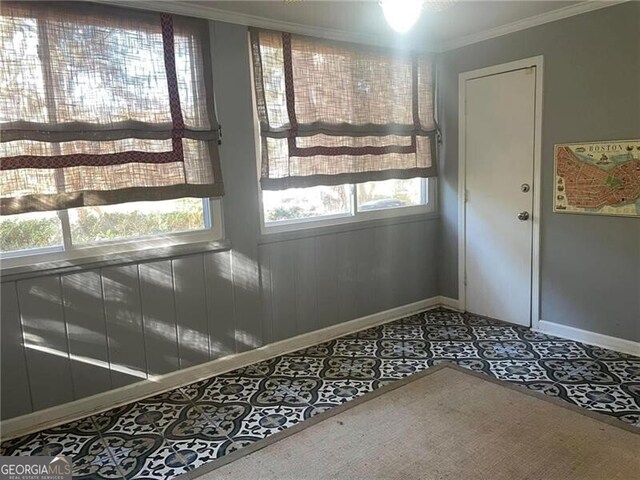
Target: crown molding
529 22
212 13
220 15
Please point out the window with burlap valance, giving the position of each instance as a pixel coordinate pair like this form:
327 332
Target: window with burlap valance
333 113
103 105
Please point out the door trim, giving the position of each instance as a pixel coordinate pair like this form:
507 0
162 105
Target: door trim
537 178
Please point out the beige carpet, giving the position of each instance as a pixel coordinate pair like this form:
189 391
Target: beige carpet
442 424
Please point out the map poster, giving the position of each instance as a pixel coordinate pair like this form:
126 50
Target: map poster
598 178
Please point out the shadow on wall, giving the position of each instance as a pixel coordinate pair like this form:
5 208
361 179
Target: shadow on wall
106 328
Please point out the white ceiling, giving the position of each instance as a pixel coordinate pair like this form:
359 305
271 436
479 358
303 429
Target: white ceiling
364 18
465 22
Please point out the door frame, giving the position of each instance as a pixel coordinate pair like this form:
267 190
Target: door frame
537 178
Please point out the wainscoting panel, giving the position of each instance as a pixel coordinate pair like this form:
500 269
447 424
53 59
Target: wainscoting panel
86 332
46 342
123 315
71 336
326 284
316 282
221 316
159 317
190 293
13 366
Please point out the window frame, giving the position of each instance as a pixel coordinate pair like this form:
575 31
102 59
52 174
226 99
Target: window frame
429 197
68 252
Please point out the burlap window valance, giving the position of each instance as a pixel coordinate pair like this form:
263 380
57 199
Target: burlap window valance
103 105
332 113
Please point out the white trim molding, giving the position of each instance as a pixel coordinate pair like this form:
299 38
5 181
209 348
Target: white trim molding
60 414
591 338
451 303
538 63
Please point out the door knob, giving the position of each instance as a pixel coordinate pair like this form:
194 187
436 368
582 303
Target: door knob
523 216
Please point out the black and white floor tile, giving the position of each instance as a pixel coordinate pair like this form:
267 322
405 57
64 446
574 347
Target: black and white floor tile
164 436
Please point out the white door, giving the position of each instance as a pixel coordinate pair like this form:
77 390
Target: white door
499 135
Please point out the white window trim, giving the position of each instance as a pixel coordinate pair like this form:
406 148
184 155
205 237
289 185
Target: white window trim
57 256
352 217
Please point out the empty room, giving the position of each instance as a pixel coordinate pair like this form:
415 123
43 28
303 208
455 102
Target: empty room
307 239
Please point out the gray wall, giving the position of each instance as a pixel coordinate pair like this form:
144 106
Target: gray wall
68 336
590 265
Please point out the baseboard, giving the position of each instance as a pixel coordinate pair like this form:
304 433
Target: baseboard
591 338
75 410
452 303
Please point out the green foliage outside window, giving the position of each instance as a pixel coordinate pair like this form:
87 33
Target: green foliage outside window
90 225
109 226
33 233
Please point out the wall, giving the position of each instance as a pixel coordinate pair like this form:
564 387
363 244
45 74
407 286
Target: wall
590 265
68 336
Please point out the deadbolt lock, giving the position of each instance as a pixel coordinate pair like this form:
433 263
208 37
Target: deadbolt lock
525 187
523 216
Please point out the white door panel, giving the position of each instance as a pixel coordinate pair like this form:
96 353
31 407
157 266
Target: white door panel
500 119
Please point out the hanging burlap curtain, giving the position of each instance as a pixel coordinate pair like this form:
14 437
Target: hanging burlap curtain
333 113
103 105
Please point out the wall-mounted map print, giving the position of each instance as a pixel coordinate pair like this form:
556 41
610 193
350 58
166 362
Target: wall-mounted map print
598 178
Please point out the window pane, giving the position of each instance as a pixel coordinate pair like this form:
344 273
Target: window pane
30 230
390 194
136 219
300 203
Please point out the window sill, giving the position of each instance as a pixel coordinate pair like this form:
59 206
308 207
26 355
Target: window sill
313 231
157 252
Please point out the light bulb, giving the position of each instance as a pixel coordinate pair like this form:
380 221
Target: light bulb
401 15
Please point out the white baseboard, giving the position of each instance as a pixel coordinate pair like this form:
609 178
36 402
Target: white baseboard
452 303
591 338
81 408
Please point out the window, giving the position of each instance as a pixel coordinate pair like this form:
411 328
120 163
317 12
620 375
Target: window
346 131
89 231
108 130
89 225
391 194
310 207
307 203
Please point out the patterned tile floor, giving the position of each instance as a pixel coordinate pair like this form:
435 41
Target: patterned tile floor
169 434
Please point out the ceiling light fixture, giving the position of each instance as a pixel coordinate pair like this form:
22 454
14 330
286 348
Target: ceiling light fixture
401 15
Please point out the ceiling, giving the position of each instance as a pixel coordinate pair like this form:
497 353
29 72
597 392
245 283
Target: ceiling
365 19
